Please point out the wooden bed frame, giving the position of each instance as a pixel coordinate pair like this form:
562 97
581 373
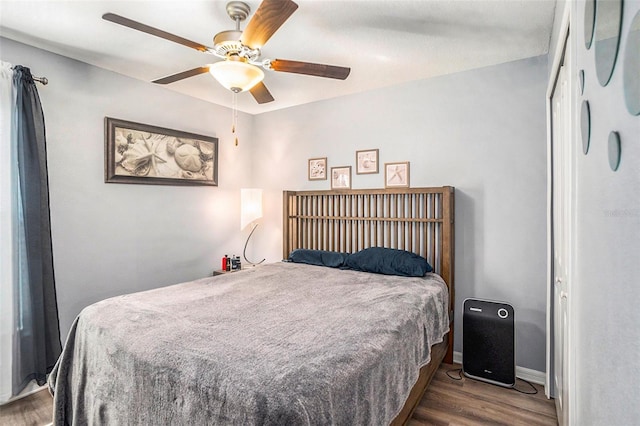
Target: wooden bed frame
420 220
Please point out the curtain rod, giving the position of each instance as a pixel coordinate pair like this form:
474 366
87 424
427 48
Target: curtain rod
43 80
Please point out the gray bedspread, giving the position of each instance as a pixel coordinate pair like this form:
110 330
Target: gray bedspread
279 344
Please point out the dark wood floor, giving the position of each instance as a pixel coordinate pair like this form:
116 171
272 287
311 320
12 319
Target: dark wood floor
470 402
32 410
446 402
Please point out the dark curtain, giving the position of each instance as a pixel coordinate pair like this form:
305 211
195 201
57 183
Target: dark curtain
37 345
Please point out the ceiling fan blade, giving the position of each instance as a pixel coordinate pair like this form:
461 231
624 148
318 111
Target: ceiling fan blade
112 17
270 16
181 75
308 68
261 94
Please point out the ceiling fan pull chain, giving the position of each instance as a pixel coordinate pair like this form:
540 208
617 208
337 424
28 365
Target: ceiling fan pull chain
234 115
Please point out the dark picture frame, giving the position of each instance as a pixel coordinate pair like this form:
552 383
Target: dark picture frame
145 154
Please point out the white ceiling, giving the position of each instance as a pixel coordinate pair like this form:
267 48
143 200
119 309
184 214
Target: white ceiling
384 42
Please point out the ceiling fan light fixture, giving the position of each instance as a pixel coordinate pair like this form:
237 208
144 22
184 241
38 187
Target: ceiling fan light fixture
237 76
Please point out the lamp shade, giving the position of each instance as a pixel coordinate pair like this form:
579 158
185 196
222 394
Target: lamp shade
250 206
236 76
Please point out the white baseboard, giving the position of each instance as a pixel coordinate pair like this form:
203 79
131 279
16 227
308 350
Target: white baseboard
31 388
528 374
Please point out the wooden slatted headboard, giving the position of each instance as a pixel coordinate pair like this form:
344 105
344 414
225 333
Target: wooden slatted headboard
419 220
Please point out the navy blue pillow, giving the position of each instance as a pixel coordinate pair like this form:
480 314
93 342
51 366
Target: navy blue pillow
318 257
388 261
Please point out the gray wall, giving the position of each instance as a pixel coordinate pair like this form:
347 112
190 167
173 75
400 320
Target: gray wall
482 131
110 239
606 286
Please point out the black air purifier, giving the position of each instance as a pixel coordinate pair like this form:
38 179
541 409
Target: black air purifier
488 342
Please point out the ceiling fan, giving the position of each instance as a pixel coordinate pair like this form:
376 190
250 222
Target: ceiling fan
240 50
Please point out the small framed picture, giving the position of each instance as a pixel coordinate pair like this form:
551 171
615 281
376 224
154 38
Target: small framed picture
318 168
367 162
396 175
341 177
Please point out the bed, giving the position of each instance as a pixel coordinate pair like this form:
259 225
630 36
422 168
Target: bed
283 343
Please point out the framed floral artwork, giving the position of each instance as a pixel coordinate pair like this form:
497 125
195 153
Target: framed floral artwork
318 168
396 175
145 154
